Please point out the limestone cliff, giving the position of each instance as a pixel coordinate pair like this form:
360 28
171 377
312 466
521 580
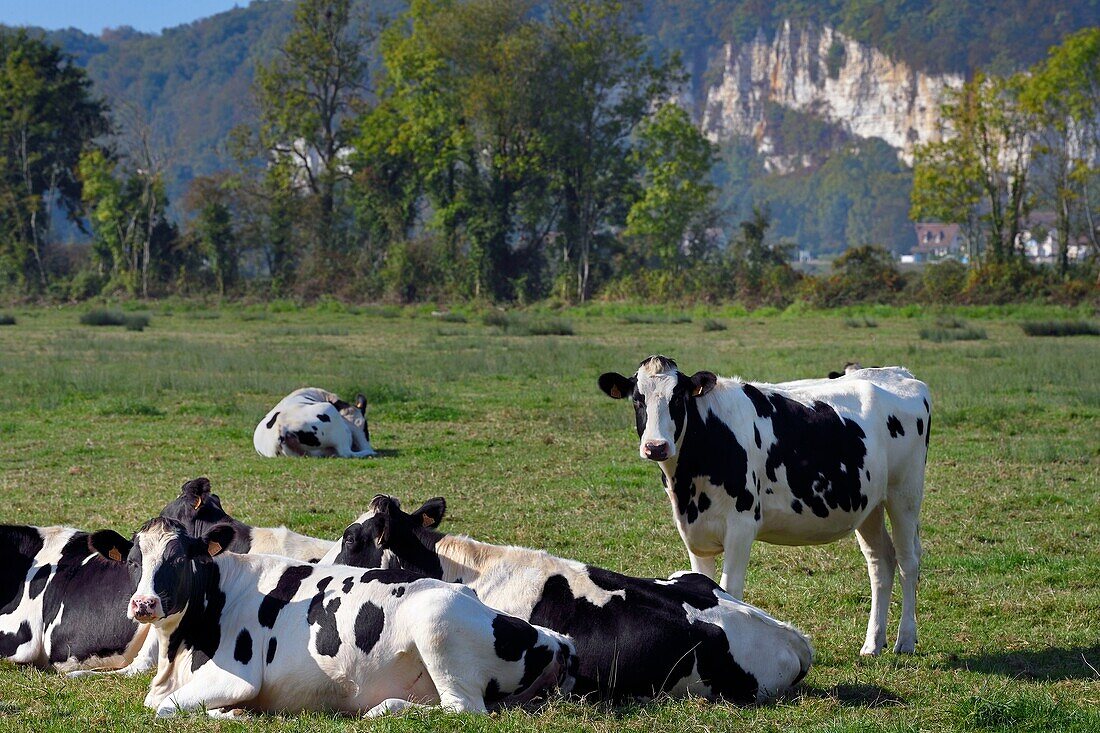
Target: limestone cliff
824 73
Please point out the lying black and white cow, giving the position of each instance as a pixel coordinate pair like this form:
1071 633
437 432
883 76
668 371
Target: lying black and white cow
795 464
62 606
314 422
199 510
267 633
635 637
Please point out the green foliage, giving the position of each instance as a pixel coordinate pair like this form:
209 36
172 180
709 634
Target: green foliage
48 115
861 274
101 317
7 319
943 282
1060 328
674 159
710 325
939 335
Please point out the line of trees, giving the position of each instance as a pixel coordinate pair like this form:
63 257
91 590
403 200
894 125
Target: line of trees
505 150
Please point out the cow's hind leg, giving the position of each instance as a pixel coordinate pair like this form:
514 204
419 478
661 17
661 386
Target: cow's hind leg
879 553
904 511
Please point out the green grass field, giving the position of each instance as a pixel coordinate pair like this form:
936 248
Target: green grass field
99 426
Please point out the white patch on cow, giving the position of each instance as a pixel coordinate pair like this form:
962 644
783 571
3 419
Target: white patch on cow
282 541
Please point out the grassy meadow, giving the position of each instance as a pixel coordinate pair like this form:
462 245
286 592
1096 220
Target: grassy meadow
99 426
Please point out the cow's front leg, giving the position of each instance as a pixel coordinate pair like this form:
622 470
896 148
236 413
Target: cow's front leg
208 689
735 558
703 565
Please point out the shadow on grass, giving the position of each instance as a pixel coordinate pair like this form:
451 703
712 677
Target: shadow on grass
1048 665
853 696
386 452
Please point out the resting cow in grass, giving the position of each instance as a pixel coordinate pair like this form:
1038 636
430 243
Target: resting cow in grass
62 606
266 633
314 422
796 464
635 637
199 510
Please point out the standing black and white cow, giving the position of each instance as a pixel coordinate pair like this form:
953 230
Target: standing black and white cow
62 606
199 510
266 633
635 637
795 464
316 423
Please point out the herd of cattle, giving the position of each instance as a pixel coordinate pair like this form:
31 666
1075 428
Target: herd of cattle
395 613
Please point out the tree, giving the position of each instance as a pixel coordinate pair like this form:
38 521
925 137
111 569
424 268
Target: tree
308 96
1063 93
980 171
675 161
47 117
209 199
603 85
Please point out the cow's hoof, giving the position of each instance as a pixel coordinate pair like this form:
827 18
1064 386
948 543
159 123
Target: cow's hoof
870 650
908 646
166 711
79 673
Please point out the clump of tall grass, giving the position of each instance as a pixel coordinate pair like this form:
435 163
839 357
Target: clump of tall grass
647 318
104 317
712 325
515 324
1060 328
551 327
864 322
450 317
7 319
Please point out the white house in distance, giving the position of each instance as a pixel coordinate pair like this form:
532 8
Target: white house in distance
937 241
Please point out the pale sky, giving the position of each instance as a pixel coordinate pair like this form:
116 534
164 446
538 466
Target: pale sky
92 16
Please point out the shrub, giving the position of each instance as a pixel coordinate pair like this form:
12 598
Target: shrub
552 327
136 321
939 335
7 319
497 318
102 317
943 282
712 325
451 317
863 322
1060 328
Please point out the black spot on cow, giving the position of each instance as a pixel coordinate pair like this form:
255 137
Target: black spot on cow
349 583
710 450
512 637
10 642
704 502
271 423
796 505
756 435
308 437
200 628
759 401
927 409
642 644
390 576
322 584
822 452
493 693
894 426
272 645
768 491
285 589
38 582
369 623
535 661
868 474
928 433
400 591
242 650
756 513
324 616
920 426
324 418
18 546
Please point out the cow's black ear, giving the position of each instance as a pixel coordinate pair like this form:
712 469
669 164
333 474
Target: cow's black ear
835 375
615 385
431 514
110 544
702 382
361 404
196 490
218 539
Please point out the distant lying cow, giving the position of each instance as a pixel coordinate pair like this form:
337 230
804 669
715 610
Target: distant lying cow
62 606
794 464
851 366
314 422
199 511
266 633
635 637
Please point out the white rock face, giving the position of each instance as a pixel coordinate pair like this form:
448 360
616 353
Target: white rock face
871 96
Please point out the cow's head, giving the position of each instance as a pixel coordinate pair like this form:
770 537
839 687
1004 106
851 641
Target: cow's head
196 508
661 394
162 560
385 532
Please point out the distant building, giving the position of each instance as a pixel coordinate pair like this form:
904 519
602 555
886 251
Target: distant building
938 241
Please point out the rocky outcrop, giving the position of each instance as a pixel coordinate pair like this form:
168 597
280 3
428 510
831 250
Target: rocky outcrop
821 72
